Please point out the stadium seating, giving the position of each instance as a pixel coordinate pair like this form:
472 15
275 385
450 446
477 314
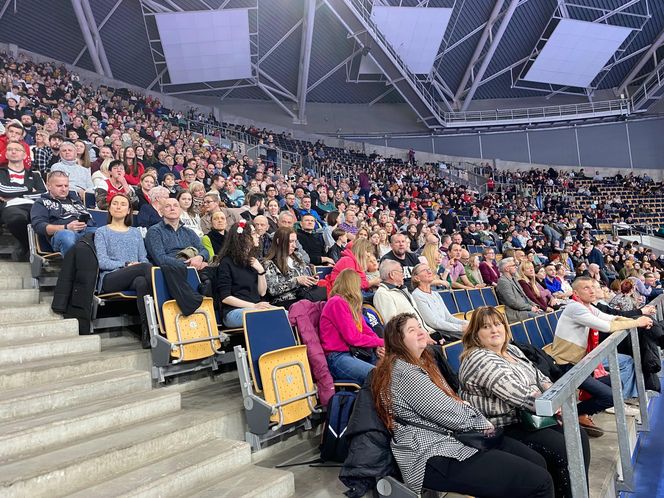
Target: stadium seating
182 344
275 365
453 352
449 301
519 334
546 331
476 298
533 332
489 295
462 300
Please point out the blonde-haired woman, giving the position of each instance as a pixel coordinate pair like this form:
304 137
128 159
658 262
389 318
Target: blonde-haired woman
100 176
435 259
533 290
350 346
82 154
197 191
356 257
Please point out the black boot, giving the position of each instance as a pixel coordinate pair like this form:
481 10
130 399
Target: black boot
145 337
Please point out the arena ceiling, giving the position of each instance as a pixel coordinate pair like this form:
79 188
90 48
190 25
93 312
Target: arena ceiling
484 47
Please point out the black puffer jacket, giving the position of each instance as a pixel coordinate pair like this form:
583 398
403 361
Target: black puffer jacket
74 292
369 454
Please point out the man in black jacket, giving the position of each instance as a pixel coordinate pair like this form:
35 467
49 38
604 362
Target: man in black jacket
312 242
15 183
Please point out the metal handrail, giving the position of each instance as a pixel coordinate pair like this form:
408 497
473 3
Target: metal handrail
563 395
209 130
654 80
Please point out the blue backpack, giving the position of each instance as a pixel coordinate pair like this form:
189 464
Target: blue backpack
334 444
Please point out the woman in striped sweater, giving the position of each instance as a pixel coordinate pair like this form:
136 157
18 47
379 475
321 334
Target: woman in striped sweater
496 378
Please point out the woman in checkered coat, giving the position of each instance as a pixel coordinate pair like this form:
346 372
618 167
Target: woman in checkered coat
410 393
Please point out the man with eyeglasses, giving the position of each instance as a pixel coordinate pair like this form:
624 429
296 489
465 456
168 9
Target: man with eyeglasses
15 183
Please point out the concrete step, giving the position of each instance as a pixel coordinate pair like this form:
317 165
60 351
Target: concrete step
25 402
20 297
13 282
251 481
56 327
178 474
8 268
13 314
35 434
74 365
17 352
78 465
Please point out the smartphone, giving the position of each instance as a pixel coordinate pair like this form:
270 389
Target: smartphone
83 217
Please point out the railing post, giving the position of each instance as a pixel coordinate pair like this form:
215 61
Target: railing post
626 480
644 426
575 463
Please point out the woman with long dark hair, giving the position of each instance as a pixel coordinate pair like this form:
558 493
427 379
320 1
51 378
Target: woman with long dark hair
423 412
241 283
288 277
133 167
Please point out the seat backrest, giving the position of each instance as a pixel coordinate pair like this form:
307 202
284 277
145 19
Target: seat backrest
462 300
553 321
489 296
323 271
476 299
161 294
449 301
519 333
453 352
545 328
90 200
373 318
100 217
265 331
533 332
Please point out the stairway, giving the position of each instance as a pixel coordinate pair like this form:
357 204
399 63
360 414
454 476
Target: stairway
79 417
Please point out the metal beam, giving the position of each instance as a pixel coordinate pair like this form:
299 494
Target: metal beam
5 7
175 6
156 80
92 23
562 7
281 87
490 52
305 58
624 6
495 13
87 35
641 63
266 89
385 93
101 25
334 69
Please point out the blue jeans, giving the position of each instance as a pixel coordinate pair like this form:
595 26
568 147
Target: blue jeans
63 240
344 366
233 318
627 375
599 389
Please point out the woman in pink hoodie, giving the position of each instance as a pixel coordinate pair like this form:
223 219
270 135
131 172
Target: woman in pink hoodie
355 256
351 347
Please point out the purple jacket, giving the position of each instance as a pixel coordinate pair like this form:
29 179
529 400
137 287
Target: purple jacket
305 315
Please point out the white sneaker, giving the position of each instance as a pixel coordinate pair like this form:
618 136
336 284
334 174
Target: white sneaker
630 411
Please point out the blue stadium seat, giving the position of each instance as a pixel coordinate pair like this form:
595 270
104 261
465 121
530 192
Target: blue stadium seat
489 296
462 300
453 352
553 321
545 327
449 301
160 290
90 200
533 333
100 217
373 318
519 333
323 271
476 299
265 331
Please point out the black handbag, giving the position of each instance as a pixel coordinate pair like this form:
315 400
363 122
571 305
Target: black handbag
474 439
364 354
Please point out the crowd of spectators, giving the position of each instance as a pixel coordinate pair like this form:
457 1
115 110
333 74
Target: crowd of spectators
389 230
